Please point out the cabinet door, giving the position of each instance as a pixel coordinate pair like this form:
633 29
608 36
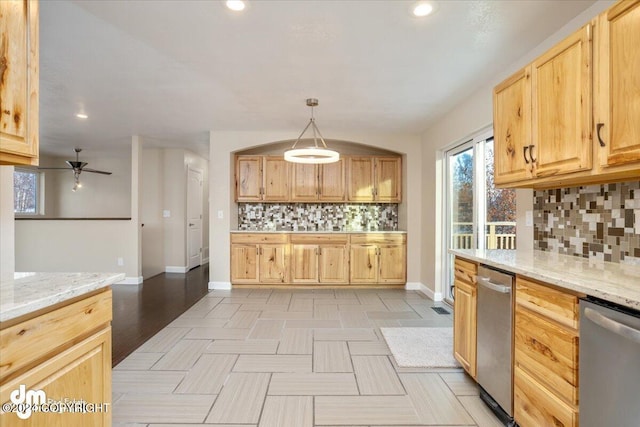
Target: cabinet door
364 263
244 263
619 85
360 186
332 181
304 182
561 97
334 264
248 178
388 171
273 264
304 263
464 326
80 373
19 82
512 128
393 263
276 179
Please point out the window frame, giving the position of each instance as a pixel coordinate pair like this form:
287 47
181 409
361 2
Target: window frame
39 210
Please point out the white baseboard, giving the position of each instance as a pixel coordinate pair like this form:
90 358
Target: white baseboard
220 285
412 286
205 260
436 296
173 269
130 281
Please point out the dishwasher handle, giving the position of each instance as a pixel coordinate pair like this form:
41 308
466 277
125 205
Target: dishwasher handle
612 325
487 283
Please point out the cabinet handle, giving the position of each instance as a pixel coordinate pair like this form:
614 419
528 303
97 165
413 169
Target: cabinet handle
257 251
319 251
599 126
531 154
524 153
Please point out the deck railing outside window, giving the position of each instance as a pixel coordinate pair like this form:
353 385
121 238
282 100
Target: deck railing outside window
500 235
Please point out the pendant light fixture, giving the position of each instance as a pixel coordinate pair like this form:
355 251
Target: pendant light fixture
314 154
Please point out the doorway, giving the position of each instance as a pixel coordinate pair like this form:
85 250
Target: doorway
194 217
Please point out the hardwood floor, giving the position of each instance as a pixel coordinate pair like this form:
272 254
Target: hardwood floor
139 312
292 358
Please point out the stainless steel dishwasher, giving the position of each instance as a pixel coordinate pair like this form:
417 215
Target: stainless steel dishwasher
609 365
495 337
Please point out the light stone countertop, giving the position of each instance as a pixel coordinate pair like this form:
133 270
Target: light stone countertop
322 231
617 283
29 292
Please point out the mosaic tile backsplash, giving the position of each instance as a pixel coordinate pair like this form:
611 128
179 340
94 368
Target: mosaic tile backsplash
597 222
317 217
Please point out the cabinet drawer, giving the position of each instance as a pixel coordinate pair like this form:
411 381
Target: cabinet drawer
559 306
549 352
378 238
319 239
259 238
535 406
465 271
27 342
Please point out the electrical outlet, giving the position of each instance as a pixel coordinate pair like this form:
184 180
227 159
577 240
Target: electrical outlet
220 214
166 214
120 262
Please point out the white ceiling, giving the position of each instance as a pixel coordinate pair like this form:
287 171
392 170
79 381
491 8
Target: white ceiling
173 70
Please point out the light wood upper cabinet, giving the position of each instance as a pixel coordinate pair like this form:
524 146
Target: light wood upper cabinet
618 88
19 69
374 179
276 179
465 314
361 186
332 182
561 82
512 128
248 178
311 183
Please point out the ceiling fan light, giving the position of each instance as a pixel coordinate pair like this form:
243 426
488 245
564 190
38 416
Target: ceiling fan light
313 155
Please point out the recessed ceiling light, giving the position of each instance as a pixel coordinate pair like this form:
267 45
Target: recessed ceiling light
82 116
423 8
236 5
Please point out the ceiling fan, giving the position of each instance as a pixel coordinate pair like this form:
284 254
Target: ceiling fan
78 167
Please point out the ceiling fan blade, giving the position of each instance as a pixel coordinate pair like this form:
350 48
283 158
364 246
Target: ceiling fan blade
95 171
66 169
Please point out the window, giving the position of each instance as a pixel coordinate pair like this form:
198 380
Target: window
27 186
479 215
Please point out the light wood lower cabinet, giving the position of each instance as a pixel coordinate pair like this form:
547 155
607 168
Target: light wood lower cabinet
327 258
464 314
319 258
546 355
67 354
378 258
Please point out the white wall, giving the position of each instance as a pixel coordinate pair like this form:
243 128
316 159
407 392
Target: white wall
75 245
151 205
221 180
101 196
464 120
7 233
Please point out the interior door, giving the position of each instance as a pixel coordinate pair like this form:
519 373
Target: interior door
194 217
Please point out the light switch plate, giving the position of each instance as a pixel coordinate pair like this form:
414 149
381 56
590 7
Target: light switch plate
528 217
166 214
220 214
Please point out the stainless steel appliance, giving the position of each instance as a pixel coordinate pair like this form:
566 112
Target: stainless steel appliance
609 365
495 336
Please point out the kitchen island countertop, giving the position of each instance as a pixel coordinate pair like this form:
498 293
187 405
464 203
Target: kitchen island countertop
29 292
617 283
